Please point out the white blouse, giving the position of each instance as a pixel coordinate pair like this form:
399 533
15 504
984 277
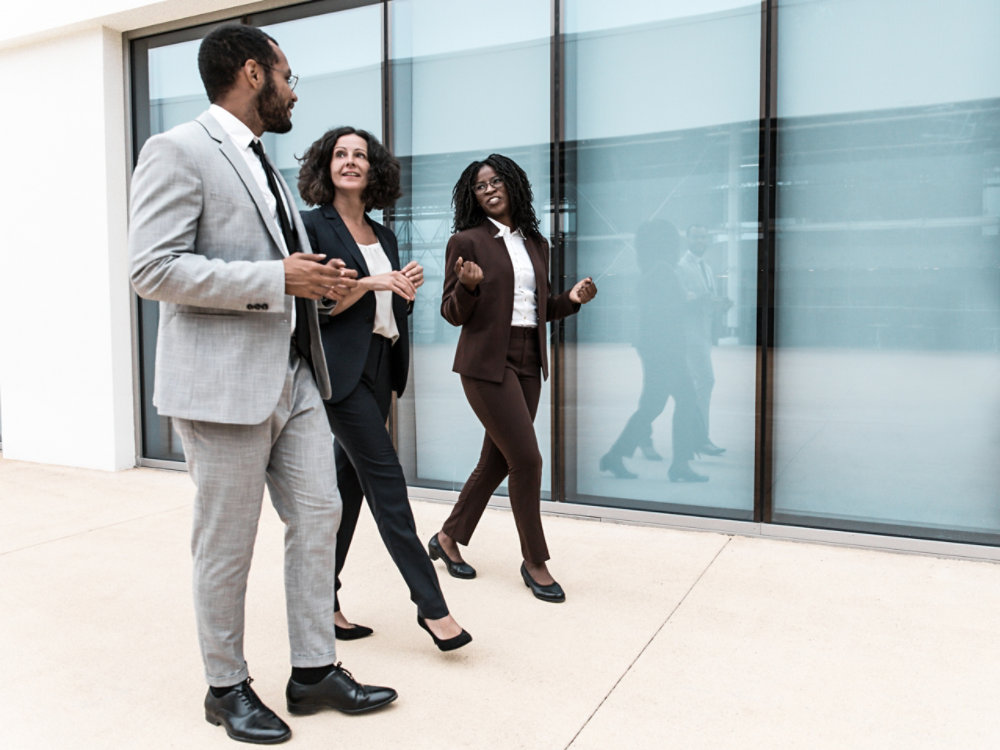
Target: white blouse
378 262
525 293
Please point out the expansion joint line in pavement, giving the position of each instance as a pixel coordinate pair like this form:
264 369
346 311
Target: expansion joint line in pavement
647 644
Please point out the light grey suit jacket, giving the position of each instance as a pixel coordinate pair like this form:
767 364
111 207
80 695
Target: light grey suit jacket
203 243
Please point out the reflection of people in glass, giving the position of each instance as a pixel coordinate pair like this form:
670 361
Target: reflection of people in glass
702 305
346 173
660 345
497 288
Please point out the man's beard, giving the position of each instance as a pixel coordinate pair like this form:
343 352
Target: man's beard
274 115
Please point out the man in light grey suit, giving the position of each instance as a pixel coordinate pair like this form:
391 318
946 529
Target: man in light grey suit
702 305
215 237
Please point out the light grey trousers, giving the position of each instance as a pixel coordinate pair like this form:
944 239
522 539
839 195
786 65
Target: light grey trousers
293 453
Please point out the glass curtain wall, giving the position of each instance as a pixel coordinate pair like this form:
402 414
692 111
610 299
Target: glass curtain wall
468 79
887 287
338 58
661 161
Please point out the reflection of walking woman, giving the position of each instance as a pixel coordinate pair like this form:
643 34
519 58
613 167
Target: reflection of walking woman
660 345
347 172
497 288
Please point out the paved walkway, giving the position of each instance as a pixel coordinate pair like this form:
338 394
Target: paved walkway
669 639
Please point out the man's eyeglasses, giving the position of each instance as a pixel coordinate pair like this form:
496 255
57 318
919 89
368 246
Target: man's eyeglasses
494 182
291 79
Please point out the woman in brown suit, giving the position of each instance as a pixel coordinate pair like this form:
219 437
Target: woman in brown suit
496 288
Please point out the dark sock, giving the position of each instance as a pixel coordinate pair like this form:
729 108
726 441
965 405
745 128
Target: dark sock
310 675
218 692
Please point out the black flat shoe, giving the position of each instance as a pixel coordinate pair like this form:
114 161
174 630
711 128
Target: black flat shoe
684 473
551 593
456 569
614 464
338 690
352 633
448 644
245 716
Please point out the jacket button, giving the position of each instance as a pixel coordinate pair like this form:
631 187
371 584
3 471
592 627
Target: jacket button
263 306
249 306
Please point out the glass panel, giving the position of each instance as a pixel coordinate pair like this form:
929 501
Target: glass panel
339 83
662 110
887 367
468 80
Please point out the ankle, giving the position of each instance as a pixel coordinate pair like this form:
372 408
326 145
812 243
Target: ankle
310 675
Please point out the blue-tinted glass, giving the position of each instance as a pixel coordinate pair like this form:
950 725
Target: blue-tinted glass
662 109
887 369
469 79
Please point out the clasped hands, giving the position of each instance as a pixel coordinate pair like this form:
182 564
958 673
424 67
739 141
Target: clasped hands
306 275
470 275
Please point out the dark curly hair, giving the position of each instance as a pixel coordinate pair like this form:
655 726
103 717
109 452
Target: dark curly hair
224 51
468 212
316 185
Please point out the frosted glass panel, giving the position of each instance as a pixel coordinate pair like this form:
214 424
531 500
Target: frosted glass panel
887 368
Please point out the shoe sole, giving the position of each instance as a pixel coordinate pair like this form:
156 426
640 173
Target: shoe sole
219 723
312 708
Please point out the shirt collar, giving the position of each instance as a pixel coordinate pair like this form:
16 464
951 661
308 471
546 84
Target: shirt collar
235 128
505 231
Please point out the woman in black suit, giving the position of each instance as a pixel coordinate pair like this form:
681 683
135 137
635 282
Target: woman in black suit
497 288
346 173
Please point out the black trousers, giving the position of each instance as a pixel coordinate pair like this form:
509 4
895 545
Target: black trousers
663 377
367 466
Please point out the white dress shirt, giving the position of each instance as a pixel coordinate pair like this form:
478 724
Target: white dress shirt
525 293
378 262
242 137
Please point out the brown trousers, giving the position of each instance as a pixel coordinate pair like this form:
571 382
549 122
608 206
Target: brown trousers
507 411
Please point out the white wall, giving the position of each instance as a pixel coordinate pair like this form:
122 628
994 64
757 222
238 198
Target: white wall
66 374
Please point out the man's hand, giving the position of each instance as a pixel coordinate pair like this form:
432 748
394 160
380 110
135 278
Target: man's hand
306 276
469 274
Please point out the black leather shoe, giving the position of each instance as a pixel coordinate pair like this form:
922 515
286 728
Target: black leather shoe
551 593
456 569
614 464
352 633
245 717
337 690
448 644
711 449
684 473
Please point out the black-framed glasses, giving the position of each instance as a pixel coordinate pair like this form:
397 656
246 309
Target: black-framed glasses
291 79
494 182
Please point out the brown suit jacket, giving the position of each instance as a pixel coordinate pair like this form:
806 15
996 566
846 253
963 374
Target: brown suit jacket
485 314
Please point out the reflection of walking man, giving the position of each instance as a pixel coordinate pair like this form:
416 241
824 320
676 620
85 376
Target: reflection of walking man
703 303
214 237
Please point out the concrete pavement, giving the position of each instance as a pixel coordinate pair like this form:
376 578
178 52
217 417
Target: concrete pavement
668 638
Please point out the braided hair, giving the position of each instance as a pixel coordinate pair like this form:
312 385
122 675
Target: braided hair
468 212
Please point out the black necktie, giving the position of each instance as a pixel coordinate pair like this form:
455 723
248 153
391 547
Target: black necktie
301 337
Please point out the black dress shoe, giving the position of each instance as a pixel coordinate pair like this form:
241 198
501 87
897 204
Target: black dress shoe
711 449
551 593
446 644
684 473
337 690
612 463
245 717
456 569
352 633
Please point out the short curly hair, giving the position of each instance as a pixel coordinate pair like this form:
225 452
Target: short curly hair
468 212
316 185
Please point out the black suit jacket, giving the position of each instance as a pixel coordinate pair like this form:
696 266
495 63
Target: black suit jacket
348 336
485 315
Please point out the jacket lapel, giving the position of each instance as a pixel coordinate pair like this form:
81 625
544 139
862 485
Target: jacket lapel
238 163
346 240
